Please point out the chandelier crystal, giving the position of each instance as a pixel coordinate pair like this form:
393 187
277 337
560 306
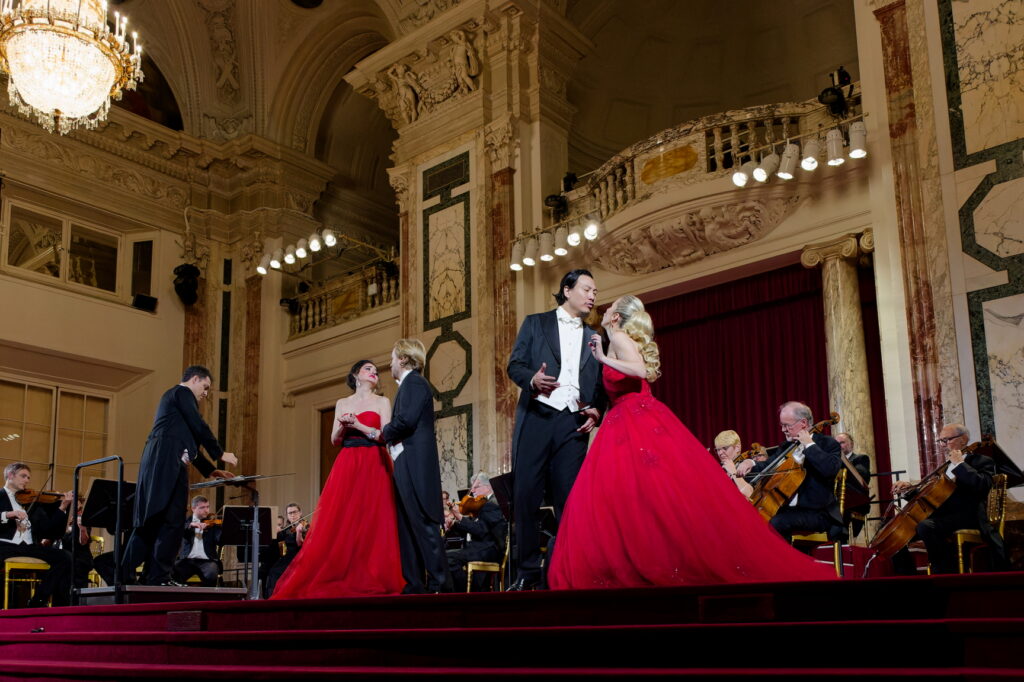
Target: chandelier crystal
64 61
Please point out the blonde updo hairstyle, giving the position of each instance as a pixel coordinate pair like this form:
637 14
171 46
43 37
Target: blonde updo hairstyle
635 321
726 439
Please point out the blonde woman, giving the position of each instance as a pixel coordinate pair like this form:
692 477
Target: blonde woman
727 447
682 522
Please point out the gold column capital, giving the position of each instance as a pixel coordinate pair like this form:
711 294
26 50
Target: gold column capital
847 247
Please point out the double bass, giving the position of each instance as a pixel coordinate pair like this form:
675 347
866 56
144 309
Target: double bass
927 496
778 482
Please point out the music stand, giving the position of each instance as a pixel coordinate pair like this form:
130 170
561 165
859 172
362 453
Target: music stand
502 487
101 504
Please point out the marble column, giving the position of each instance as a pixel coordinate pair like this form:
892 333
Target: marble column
251 375
910 202
195 351
399 179
848 390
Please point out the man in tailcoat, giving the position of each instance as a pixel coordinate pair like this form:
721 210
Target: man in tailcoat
410 437
558 407
162 492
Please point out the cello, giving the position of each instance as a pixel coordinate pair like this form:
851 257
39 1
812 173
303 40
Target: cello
928 495
778 482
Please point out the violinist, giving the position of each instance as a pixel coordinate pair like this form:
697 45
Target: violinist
25 521
728 447
862 463
290 541
82 540
813 508
485 530
966 508
200 546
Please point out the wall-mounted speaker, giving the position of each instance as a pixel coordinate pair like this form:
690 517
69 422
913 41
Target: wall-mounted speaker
144 302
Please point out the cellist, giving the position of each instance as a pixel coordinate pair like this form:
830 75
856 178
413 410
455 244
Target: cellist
813 508
966 508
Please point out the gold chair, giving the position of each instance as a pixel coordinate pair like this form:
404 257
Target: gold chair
996 516
822 538
22 563
489 567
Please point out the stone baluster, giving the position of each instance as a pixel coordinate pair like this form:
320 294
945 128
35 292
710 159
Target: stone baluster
717 150
620 188
734 142
631 179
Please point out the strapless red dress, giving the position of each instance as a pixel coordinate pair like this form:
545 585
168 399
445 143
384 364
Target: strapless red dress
651 507
352 547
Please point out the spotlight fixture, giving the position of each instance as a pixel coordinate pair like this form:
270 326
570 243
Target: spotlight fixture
329 238
590 231
530 254
574 235
767 167
561 241
516 262
858 140
811 151
289 254
741 177
275 260
264 264
547 247
300 249
790 157
314 242
834 145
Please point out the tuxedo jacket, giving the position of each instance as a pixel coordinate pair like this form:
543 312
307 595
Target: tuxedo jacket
488 531
970 500
417 472
862 463
177 427
538 343
48 521
211 541
822 463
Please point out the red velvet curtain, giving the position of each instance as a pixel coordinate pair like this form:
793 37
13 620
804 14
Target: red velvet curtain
731 354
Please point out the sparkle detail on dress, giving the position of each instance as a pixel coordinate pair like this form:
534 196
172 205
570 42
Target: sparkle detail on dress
648 457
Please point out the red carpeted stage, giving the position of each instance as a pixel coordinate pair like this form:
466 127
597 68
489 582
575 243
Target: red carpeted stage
964 627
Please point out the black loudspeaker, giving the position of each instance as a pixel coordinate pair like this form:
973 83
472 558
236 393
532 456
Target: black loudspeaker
186 283
144 302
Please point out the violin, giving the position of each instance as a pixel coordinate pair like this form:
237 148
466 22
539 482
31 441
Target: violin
779 481
28 496
213 521
469 504
756 450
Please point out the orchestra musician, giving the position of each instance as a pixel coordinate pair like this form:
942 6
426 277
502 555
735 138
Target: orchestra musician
486 531
82 541
728 447
966 508
862 463
24 524
290 541
813 508
200 546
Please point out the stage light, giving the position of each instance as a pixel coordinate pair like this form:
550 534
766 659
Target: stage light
329 238
790 157
811 151
591 230
300 249
858 140
574 235
561 241
315 242
289 254
741 177
767 167
516 262
530 254
834 145
547 247
264 264
275 260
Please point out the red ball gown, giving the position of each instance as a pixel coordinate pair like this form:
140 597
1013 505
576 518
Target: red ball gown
651 507
352 546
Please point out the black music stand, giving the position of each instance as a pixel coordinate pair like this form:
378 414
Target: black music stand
101 504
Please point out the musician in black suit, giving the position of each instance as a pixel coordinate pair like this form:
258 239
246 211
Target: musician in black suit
966 508
486 531
410 436
23 528
162 492
813 508
862 464
559 406
199 558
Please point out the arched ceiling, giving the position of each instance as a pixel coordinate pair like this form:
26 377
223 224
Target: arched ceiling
658 63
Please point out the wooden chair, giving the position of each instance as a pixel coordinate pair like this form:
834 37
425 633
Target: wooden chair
819 539
489 567
26 564
996 516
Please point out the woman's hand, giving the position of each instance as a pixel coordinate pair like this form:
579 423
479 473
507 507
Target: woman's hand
596 348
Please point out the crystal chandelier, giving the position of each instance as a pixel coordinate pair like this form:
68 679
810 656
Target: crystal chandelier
64 61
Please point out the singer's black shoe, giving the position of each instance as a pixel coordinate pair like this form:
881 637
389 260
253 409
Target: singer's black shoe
523 585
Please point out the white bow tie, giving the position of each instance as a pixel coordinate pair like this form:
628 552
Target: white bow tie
574 322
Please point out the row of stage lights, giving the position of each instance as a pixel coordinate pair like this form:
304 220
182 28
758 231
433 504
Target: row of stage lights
546 245
784 167
292 253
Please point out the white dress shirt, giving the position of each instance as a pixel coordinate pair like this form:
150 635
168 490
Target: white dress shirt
570 341
798 457
20 536
198 549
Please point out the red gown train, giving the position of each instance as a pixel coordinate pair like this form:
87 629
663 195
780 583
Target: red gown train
651 507
352 547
